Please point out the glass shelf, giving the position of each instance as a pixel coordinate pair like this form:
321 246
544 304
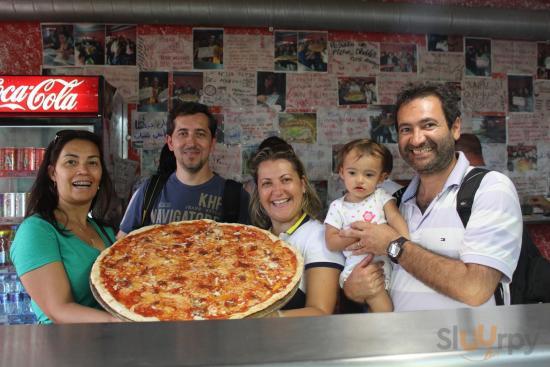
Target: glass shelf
10 220
18 174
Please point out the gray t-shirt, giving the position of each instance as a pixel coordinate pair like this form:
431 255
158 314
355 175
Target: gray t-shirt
178 201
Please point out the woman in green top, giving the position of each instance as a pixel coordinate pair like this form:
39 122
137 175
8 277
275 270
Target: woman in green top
57 243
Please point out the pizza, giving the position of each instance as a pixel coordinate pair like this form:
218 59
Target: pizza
195 270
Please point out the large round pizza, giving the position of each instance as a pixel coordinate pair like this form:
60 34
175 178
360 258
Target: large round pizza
196 270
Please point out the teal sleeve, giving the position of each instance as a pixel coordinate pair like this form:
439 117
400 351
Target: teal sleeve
35 245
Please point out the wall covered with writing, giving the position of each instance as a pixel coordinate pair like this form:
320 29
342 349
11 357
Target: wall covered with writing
316 89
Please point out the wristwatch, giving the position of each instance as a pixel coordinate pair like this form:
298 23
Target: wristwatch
395 249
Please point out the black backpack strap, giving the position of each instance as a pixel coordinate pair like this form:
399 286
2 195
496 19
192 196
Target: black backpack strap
464 203
231 201
154 187
467 192
398 195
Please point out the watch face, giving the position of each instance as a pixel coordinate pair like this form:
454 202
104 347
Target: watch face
393 249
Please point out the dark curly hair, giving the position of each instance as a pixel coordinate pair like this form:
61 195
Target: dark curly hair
446 94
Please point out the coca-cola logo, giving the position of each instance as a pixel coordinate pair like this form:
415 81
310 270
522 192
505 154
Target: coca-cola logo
40 96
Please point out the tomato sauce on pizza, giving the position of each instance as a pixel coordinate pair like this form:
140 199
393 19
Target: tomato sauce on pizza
195 270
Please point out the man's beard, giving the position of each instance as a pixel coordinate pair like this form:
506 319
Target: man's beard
443 155
193 168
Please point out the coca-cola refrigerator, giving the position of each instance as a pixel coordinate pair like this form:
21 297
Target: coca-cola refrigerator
32 110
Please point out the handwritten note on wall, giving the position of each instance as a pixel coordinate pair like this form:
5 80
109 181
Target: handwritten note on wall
542 97
125 176
341 125
317 159
149 129
306 92
484 95
514 56
124 79
354 57
524 128
390 85
249 126
528 184
162 52
446 66
226 161
229 88
248 52
493 155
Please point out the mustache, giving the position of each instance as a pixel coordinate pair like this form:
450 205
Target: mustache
191 150
427 144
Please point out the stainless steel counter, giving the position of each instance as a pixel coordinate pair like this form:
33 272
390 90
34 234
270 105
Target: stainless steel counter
521 333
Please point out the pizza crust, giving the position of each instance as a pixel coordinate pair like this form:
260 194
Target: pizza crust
276 301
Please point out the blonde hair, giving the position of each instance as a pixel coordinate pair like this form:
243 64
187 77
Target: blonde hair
311 204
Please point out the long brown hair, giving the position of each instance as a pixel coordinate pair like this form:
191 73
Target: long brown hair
311 204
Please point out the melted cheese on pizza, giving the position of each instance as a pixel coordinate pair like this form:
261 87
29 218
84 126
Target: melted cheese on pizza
199 271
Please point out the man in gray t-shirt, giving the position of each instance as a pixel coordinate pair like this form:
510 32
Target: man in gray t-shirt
193 191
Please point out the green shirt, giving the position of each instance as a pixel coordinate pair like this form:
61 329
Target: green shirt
38 243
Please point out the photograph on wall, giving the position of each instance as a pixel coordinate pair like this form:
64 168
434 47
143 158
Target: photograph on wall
489 128
312 51
120 47
286 45
187 86
321 187
522 158
57 44
208 49
520 93
382 124
89 44
219 127
153 91
357 91
271 90
298 127
398 58
543 60
444 43
247 153
477 56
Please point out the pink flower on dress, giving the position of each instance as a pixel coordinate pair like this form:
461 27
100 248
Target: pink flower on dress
368 216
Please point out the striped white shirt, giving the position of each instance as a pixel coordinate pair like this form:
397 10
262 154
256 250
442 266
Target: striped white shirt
491 238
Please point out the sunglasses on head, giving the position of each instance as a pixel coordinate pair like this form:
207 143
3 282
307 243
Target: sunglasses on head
74 134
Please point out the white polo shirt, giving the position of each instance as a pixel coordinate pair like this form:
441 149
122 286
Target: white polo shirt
492 236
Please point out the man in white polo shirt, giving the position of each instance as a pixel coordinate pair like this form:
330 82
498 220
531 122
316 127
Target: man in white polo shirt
442 265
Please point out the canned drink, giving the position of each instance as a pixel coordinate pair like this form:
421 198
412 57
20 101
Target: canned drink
25 159
4 304
9 204
20 204
38 156
9 159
